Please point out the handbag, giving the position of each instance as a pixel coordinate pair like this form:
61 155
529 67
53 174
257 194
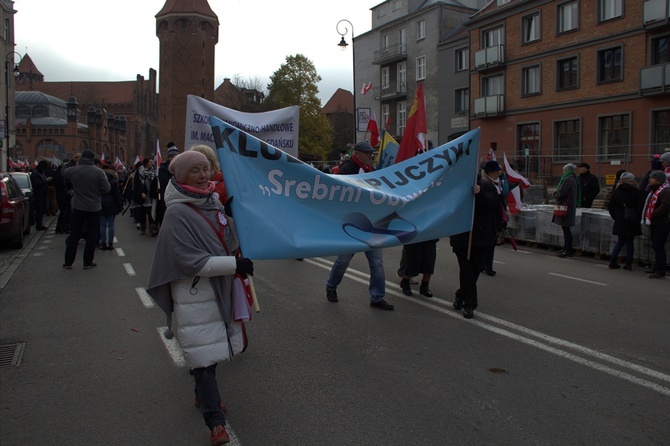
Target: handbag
630 214
560 210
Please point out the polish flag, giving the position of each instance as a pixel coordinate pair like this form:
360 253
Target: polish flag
137 160
102 158
366 87
513 198
158 159
491 155
373 128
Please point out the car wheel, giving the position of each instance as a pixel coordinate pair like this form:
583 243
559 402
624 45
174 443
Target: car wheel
17 243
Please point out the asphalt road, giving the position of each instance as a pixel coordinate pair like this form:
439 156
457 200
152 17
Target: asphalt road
561 352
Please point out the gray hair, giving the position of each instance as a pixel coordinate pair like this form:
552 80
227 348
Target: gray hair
569 168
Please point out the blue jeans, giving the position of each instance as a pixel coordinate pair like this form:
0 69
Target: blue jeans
659 235
207 391
107 229
377 285
626 240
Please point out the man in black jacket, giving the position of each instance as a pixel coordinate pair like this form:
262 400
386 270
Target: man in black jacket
590 186
164 177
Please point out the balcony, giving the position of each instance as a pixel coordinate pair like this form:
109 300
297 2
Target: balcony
656 12
390 92
391 54
490 57
489 106
655 80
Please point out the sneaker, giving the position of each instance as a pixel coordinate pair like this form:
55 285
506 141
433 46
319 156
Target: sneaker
331 295
219 435
382 305
92 265
67 266
138 226
221 406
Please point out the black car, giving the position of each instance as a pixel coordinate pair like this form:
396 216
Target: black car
14 219
23 178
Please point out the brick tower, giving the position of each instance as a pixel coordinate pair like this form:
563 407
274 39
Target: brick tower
188 31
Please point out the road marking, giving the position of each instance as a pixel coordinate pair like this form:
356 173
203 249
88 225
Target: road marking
129 269
144 297
120 252
577 278
173 348
362 277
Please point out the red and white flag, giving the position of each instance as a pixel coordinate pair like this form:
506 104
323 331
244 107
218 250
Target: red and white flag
491 156
373 128
12 164
158 159
102 158
513 198
366 87
137 160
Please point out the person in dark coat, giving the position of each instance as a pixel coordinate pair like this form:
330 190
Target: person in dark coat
625 207
470 251
40 184
64 200
568 192
589 184
112 204
164 177
655 165
656 214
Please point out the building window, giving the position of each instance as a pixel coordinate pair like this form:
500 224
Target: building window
385 42
531 28
386 76
568 16
614 141
660 50
420 29
5 31
567 141
493 85
402 117
528 148
395 5
462 100
530 80
402 37
462 59
386 113
420 68
661 130
502 2
493 37
610 65
609 9
402 77
568 73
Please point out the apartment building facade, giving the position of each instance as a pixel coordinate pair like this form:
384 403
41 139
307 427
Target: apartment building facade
553 82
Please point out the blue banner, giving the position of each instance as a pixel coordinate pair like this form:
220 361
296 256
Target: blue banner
286 209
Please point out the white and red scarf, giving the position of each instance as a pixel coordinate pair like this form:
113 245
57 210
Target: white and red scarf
650 204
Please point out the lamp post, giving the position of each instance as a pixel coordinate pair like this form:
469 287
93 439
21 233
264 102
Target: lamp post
343 46
9 56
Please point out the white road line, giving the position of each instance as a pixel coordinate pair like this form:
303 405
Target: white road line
173 348
120 252
363 278
577 278
129 269
144 297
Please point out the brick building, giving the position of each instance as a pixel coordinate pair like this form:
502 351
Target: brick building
553 82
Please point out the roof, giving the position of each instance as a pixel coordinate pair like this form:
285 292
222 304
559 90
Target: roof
47 121
187 6
37 97
112 92
28 66
342 101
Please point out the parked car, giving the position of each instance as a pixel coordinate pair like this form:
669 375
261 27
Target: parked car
23 178
14 219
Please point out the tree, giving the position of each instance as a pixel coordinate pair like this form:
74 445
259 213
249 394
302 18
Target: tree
295 83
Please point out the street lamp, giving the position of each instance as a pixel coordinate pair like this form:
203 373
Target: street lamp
343 46
9 56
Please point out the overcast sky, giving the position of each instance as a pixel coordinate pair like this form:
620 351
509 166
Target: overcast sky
91 40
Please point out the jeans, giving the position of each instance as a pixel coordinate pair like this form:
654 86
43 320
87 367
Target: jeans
626 240
107 229
80 219
207 391
40 208
659 235
377 285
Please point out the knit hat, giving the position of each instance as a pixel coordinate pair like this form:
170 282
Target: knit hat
364 146
627 176
173 151
658 175
182 164
665 157
492 166
88 154
587 165
569 167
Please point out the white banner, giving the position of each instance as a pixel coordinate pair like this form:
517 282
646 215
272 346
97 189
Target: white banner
279 128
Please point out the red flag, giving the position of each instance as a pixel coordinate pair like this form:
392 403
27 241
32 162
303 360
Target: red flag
388 123
366 88
373 128
414 139
513 198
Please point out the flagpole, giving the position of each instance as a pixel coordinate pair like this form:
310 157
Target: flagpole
472 219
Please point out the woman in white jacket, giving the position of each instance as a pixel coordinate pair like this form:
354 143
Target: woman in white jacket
192 276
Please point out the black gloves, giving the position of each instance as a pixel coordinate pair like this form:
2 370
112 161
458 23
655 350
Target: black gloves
244 266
